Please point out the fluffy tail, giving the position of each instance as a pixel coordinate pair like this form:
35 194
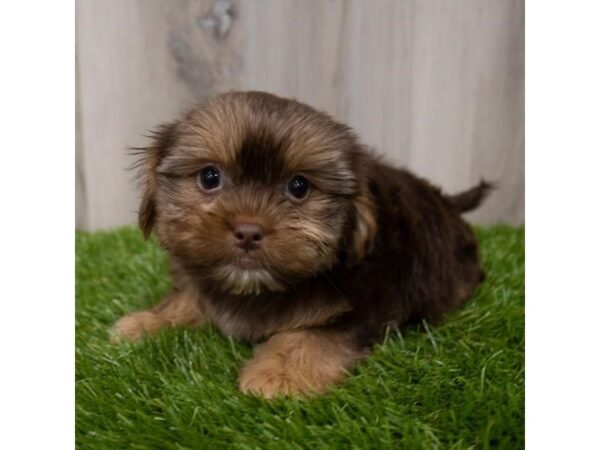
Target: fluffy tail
472 198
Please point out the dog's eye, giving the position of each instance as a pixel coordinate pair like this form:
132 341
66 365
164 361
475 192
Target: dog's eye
209 178
298 186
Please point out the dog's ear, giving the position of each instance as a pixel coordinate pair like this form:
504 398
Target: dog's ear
365 226
163 138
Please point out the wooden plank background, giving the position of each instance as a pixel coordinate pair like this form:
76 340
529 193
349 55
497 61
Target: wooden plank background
435 85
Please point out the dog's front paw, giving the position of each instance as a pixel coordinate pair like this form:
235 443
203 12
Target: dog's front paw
133 326
269 379
277 375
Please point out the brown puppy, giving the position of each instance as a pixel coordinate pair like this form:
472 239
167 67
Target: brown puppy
281 227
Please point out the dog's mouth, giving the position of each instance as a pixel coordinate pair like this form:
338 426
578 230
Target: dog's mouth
246 262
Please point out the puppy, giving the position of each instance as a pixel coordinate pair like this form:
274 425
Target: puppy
282 228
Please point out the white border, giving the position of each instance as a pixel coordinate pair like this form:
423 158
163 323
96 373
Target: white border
36 224
563 226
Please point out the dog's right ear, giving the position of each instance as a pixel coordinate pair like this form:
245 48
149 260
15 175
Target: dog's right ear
150 157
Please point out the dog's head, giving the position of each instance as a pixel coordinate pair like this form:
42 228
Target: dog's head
253 192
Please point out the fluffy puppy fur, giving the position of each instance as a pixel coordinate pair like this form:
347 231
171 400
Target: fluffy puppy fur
283 229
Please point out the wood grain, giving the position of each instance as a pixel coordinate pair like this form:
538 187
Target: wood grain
435 85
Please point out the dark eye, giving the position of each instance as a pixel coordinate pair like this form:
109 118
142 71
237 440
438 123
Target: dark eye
298 186
210 178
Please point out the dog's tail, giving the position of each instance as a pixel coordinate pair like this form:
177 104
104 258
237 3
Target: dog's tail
472 198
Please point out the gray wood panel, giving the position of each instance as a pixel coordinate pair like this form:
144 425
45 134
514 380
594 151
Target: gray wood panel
435 85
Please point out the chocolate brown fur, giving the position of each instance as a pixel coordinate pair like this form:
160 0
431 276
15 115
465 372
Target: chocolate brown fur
370 245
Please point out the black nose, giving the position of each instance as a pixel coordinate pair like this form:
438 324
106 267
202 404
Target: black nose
248 235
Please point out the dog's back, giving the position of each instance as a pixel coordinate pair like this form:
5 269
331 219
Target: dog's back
425 258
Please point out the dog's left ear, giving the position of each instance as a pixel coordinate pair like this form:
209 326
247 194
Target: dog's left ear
164 138
365 226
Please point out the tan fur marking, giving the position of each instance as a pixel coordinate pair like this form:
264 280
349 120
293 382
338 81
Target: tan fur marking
298 362
215 130
366 228
179 308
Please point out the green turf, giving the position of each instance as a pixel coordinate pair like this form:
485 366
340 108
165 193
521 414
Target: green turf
460 385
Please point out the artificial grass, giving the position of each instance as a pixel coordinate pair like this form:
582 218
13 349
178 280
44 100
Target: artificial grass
459 385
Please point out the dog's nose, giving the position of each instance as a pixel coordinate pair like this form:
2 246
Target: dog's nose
248 235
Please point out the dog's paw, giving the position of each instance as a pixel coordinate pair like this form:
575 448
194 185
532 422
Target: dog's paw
269 383
133 326
272 377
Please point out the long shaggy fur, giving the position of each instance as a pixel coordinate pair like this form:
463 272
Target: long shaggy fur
370 245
